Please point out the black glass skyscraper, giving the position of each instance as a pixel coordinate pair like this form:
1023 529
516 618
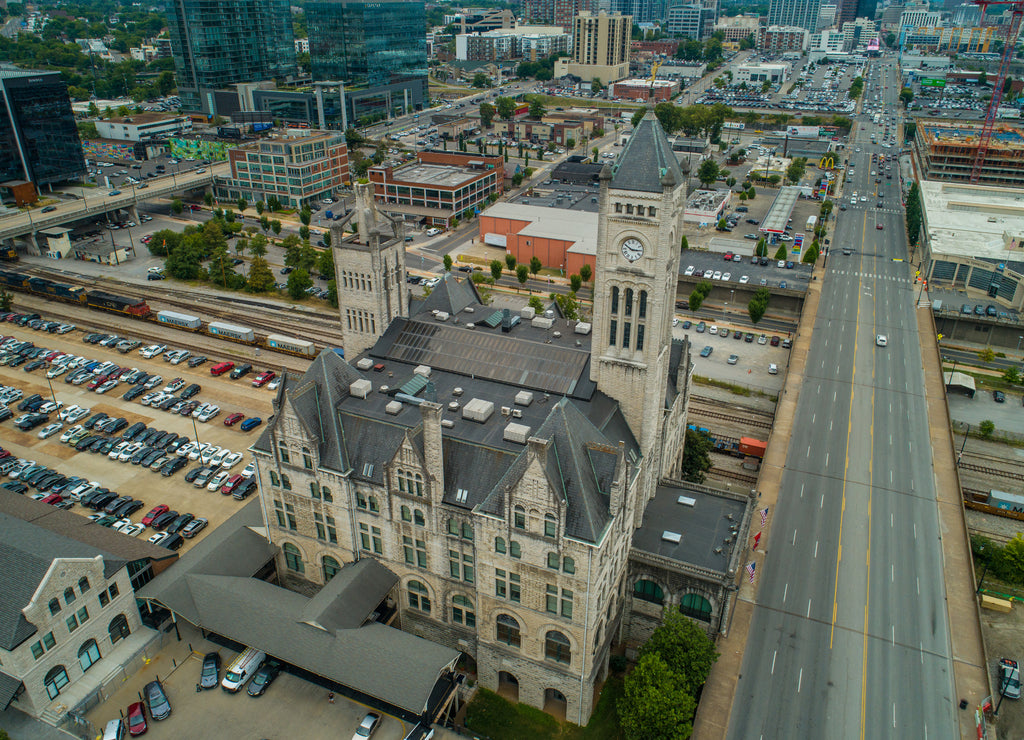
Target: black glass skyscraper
38 136
377 49
216 43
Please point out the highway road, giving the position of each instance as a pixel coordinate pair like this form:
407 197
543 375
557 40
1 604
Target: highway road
850 635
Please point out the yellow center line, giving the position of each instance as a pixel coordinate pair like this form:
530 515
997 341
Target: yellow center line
849 434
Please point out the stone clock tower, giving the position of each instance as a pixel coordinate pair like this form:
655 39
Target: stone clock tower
637 264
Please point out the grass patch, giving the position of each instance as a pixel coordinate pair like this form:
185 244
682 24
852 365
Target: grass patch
739 390
491 716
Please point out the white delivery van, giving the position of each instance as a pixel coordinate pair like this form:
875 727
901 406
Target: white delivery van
242 669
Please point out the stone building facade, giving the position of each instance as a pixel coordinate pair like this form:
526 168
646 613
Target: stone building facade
501 464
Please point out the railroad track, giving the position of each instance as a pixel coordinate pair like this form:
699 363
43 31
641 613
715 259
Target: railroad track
990 458
750 480
728 417
991 471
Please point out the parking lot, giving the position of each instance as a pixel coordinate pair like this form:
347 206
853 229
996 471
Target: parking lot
292 707
1006 416
144 484
752 358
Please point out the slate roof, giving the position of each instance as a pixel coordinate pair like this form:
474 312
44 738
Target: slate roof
9 686
452 295
646 159
212 586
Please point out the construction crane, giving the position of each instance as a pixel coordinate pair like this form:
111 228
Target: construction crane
655 66
1016 8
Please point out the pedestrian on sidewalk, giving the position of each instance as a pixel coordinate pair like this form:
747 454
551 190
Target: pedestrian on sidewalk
330 697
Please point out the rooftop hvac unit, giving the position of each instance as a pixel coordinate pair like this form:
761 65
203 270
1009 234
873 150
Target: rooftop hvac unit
469 309
517 413
456 391
393 408
674 537
583 327
453 405
364 364
528 312
505 410
686 501
447 423
423 370
549 314
478 410
556 334
517 433
384 389
441 315
523 398
542 322
361 388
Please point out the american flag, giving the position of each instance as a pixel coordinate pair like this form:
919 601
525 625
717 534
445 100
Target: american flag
750 570
764 516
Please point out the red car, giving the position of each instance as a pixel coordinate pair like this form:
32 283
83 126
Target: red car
53 498
231 484
878 226
221 367
4 453
233 419
154 513
137 719
263 378
97 382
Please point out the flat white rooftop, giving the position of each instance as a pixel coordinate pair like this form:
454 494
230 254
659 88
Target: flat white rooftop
579 227
974 220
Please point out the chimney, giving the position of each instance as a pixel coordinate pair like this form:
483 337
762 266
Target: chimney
433 445
366 210
539 448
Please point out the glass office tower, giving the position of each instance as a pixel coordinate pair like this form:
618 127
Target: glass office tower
377 49
38 136
217 43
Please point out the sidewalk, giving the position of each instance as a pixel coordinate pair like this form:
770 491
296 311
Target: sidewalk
716 703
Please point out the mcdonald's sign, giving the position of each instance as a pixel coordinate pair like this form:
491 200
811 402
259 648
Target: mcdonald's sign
828 162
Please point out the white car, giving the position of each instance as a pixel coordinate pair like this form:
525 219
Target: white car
744 280
881 340
180 356
249 471
211 411
153 350
157 538
151 398
120 524
232 460
69 433
83 489
69 411
273 384
133 530
217 459
117 449
50 429
49 407
713 330
174 385
197 450
726 276
57 370
208 454
109 385
185 449
218 480
126 454
717 275
153 382
689 270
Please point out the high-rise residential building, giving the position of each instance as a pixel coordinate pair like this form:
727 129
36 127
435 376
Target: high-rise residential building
556 12
600 47
378 50
693 19
216 43
778 39
643 11
38 138
800 13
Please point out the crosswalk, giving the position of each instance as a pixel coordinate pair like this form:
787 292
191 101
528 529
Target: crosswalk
874 276
867 207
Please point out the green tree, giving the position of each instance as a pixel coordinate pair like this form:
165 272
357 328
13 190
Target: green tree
208 199
637 117
305 216
906 96
537 109
780 253
275 226
536 304
273 203
986 429
570 143
260 207
696 455
327 239
325 262
304 233
487 112
480 80
756 309
163 242
707 173
496 269
586 272
447 263
796 169
761 250
220 270
258 245
1011 375
506 107
535 265
987 355
567 304
575 282
177 207
696 300
684 244
242 203
686 649
595 152
261 278
510 261
595 85
522 274
298 281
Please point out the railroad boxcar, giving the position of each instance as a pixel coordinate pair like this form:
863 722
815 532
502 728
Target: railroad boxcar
71 293
754 447
119 304
13 279
231 331
180 320
290 345
1005 501
8 254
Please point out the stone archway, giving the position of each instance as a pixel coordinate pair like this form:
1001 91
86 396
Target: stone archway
555 703
508 686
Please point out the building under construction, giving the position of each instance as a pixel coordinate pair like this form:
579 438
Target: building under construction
948 149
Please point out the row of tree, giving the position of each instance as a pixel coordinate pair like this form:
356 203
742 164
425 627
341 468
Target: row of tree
914 214
691 120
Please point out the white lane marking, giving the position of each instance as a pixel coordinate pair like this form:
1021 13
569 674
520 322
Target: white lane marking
774 654
915 530
815 548
892 520
785 591
821 504
800 681
808 608
826 458
813 418
894 635
918 586
794 537
894 714
801 490
892 573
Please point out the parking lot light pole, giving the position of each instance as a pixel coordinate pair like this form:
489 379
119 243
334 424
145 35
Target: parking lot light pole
196 430
52 394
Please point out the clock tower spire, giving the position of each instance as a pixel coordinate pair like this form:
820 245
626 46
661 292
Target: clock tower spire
639 225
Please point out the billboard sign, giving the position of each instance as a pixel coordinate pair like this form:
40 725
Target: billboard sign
262 126
803 131
932 82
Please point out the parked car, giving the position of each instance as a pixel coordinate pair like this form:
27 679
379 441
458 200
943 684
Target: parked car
209 676
263 678
137 719
156 698
367 726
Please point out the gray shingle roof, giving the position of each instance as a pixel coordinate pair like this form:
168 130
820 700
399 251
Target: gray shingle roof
9 686
646 159
452 295
212 587
369 445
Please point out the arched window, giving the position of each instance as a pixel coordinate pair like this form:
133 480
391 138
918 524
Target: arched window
553 560
615 299
467 531
499 546
83 585
514 549
285 483
275 479
88 654
557 647
419 596
648 591
418 518
550 525
568 565
54 606
374 506
628 308
508 630
519 518
696 606
641 310
56 680
69 595
331 568
307 459
118 628
406 514
462 611
293 558
326 493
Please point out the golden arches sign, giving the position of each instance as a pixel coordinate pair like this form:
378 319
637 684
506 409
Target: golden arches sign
828 162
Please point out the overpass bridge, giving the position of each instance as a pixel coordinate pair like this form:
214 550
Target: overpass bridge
26 224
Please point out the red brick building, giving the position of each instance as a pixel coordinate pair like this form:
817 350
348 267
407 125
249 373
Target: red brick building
439 186
655 47
641 90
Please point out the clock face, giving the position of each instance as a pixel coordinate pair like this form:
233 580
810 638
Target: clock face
632 249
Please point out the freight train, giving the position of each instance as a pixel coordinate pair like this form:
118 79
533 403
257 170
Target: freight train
137 308
737 447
